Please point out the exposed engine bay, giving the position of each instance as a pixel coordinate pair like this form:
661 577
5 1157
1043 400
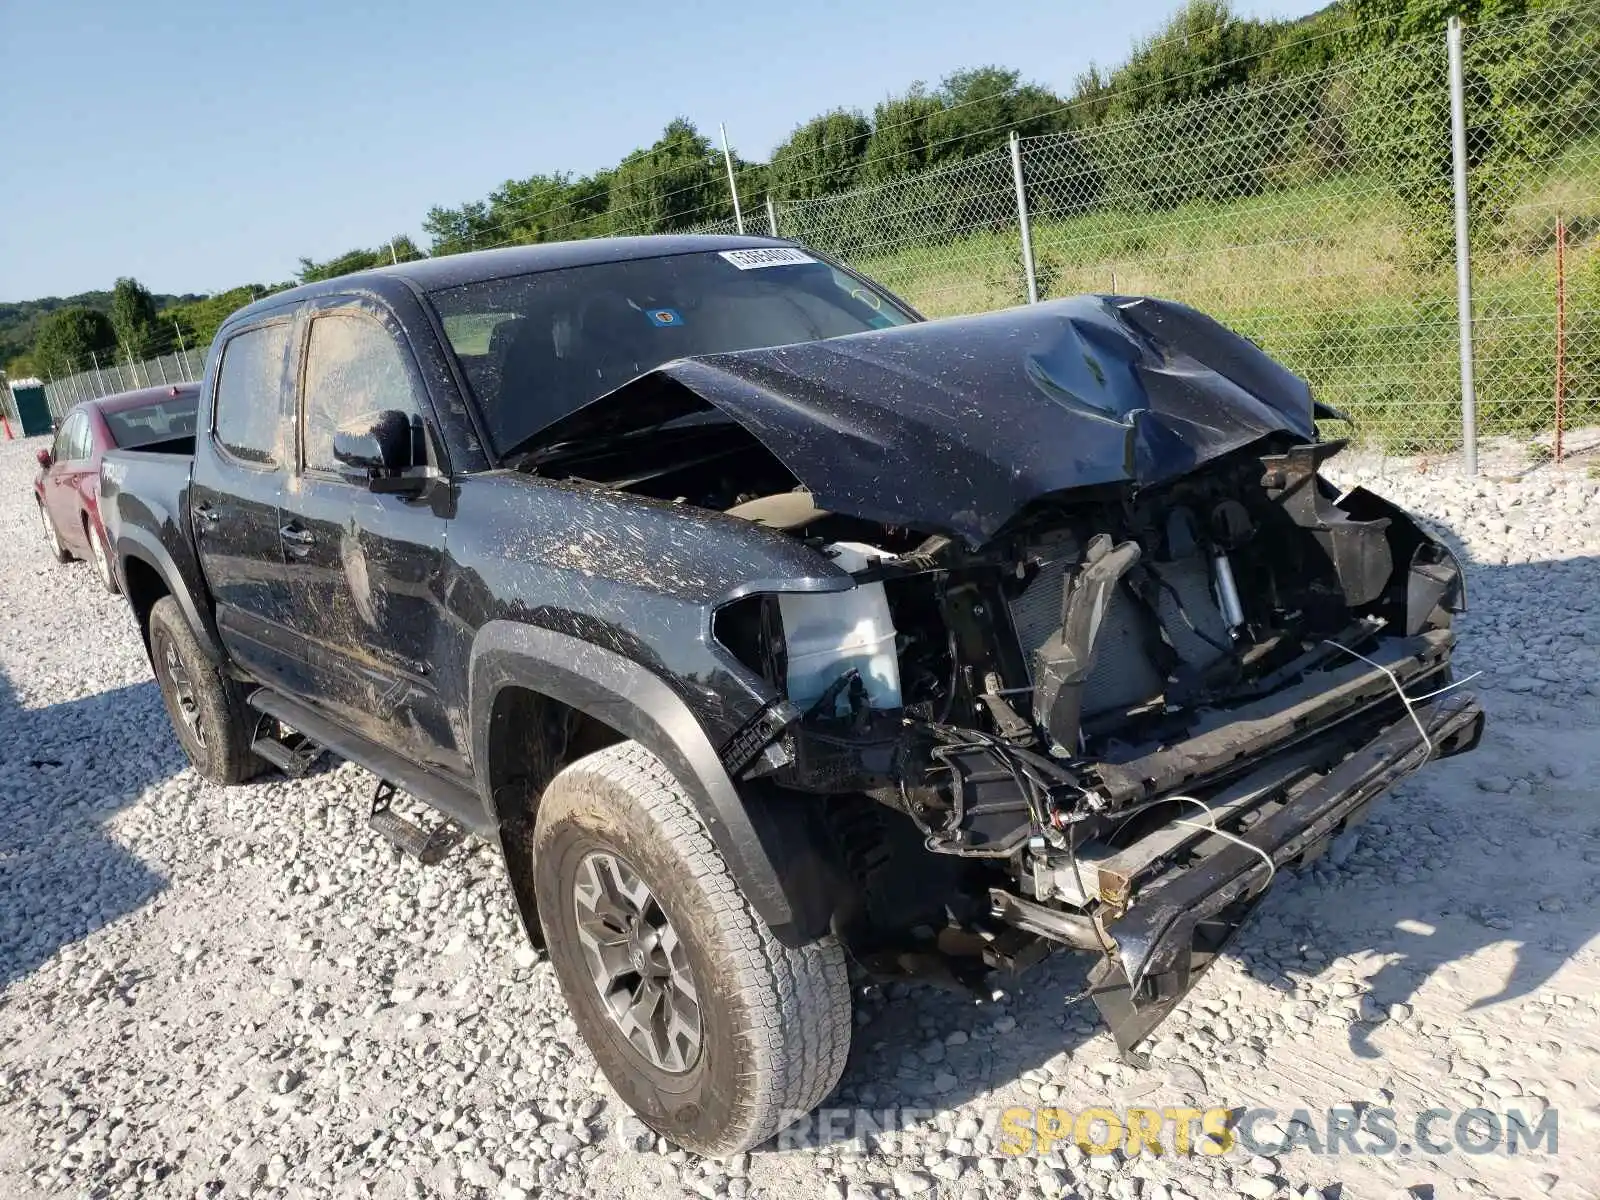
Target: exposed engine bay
1102 723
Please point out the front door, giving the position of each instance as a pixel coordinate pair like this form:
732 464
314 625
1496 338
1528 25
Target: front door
238 476
69 458
363 578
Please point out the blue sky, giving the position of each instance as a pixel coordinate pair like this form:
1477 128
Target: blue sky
199 145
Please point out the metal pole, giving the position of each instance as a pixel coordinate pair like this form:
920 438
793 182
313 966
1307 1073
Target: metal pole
733 188
1022 218
183 353
772 217
1458 159
162 367
1561 329
99 383
393 257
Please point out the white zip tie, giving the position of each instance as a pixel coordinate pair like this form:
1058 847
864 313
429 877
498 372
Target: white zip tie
1411 710
1447 687
1272 867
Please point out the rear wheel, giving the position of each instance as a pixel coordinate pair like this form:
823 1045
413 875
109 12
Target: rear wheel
98 556
715 1033
208 714
51 538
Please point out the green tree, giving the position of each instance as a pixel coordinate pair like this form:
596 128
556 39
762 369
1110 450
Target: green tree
454 230
1201 50
133 317
399 248
1379 23
980 107
69 337
675 183
902 135
197 322
1528 87
821 157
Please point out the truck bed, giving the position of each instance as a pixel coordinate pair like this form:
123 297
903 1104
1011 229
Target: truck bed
144 506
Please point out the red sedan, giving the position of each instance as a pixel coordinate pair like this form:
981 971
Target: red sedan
68 485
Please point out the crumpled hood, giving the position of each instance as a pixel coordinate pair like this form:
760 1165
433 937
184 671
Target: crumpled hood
958 424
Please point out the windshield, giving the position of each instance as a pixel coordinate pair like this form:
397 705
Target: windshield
537 347
169 418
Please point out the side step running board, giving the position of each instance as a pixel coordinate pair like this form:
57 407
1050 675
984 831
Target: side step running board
292 753
428 848
454 798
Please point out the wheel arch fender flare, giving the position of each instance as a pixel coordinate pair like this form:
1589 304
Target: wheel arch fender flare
137 545
634 701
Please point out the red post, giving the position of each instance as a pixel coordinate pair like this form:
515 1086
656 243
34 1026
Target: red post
1561 329
6 421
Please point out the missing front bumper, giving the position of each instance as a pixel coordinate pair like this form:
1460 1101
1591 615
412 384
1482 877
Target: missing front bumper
1179 921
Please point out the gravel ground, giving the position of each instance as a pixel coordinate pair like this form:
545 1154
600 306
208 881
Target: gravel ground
220 992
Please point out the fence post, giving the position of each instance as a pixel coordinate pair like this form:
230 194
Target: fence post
1022 218
1458 162
1561 329
99 383
733 188
772 217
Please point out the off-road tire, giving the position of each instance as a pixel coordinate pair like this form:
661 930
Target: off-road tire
221 750
100 557
52 539
775 1022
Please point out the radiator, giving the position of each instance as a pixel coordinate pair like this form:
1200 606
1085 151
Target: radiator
1123 674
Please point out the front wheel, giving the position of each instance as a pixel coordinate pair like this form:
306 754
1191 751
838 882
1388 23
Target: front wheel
207 712
715 1033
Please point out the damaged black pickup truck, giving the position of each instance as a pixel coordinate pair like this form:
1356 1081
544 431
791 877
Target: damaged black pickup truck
762 624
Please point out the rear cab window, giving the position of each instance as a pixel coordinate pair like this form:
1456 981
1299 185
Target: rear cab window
248 424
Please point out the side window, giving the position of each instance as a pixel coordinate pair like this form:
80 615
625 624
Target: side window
248 382
354 367
62 450
82 439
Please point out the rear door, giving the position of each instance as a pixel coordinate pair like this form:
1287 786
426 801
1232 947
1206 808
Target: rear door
363 568
239 467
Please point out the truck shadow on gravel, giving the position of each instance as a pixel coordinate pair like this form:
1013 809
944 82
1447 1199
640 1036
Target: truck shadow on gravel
65 769
1478 878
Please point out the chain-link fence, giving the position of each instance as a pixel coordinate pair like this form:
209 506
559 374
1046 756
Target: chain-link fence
1532 89
98 380
1317 214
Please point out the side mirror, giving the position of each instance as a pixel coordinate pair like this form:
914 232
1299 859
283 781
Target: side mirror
44 458
380 444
